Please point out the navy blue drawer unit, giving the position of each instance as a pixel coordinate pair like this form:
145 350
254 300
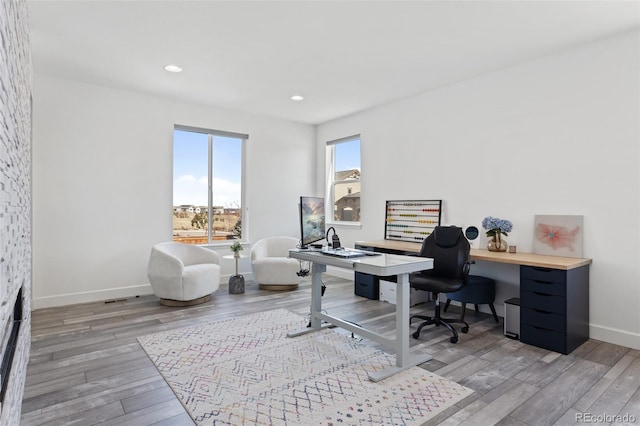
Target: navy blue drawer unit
544 302
367 286
543 275
544 319
543 338
554 310
542 287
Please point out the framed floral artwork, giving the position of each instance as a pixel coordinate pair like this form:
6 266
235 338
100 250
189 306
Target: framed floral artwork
558 235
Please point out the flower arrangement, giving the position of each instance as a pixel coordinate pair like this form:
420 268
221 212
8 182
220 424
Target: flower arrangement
496 226
236 247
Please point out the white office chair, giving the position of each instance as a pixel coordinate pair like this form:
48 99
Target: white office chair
183 274
272 267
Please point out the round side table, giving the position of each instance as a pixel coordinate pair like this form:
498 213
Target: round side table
236 282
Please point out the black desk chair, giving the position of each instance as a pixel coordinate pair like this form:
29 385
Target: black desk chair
451 262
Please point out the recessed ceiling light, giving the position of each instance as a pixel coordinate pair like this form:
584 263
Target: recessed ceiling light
173 68
297 98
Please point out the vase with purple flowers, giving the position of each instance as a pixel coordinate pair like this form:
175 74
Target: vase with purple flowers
496 228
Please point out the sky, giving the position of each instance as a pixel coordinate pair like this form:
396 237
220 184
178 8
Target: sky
348 155
190 167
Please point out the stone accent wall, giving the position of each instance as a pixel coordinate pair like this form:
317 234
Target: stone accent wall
15 194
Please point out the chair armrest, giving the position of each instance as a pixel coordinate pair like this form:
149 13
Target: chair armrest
193 255
162 264
467 266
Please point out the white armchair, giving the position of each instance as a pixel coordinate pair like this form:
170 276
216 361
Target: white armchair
183 274
272 267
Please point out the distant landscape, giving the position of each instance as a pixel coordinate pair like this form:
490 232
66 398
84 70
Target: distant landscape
190 231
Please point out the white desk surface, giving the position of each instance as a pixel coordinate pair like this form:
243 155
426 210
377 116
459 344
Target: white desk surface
381 264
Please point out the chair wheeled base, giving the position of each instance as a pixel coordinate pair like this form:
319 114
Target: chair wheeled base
438 321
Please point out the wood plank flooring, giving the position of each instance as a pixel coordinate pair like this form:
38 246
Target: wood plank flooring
87 368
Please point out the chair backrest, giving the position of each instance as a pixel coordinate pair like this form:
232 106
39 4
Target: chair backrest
450 252
273 247
188 254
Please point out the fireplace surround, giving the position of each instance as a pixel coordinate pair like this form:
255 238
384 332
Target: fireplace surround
16 80
12 330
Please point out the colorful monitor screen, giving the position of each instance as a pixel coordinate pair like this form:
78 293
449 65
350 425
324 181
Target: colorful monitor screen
311 220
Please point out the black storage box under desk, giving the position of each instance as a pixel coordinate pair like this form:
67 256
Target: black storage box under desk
367 286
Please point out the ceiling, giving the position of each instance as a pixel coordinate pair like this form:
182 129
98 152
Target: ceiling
342 56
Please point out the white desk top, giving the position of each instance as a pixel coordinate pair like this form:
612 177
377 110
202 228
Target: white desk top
380 265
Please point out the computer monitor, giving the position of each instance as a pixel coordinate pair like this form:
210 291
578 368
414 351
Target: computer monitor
311 220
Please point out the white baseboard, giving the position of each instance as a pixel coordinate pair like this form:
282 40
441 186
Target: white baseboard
90 296
106 294
615 336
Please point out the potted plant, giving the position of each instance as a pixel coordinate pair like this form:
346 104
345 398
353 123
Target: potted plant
495 228
236 247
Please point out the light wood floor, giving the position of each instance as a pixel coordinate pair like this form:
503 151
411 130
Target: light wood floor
87 368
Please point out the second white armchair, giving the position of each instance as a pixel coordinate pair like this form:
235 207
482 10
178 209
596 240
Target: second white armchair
273 269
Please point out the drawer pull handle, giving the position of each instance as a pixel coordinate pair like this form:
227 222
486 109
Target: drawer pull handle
542 294
543 282
541 328
542 311
538 268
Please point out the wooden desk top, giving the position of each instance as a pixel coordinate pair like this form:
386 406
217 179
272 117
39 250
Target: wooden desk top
526 259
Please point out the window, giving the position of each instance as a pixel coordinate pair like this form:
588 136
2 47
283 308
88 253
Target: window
207 185
343 178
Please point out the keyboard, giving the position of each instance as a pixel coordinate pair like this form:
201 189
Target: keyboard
343 253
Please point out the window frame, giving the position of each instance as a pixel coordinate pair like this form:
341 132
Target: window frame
210 174
331 182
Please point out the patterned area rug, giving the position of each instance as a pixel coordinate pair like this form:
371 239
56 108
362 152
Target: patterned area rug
245 371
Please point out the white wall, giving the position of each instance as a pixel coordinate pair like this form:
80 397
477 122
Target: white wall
559 135
102 184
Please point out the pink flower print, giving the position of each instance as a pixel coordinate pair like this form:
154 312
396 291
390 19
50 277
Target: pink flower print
556 236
